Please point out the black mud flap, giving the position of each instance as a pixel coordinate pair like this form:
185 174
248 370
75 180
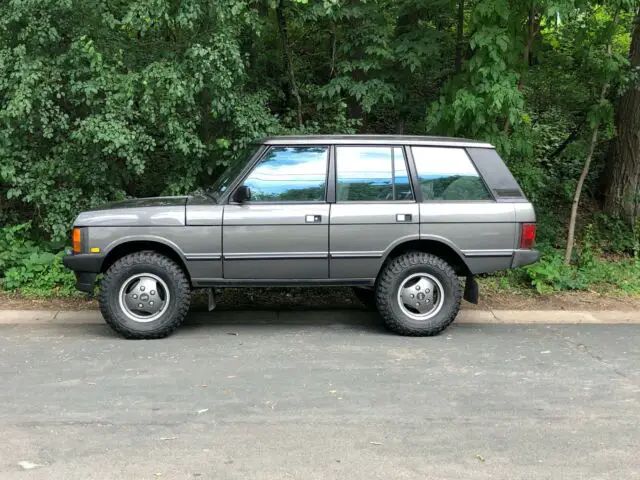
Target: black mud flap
471 290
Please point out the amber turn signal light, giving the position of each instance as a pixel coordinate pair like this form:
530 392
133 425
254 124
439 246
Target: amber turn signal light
77 240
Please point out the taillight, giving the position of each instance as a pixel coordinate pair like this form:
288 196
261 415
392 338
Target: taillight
77 240
528 235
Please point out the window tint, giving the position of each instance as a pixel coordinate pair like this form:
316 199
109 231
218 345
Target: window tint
289 174
372 174
448 174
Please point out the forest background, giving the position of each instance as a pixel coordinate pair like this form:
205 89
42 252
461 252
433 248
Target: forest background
107 100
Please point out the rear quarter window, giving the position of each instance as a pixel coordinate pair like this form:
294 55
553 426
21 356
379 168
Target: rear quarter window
447 174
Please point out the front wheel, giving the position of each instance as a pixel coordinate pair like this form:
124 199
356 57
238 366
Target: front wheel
418 294
144 295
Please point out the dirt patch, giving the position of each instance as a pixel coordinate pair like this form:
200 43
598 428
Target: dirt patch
11 301
557 301
343 298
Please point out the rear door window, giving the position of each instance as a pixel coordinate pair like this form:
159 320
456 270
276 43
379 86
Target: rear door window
372 174
447 174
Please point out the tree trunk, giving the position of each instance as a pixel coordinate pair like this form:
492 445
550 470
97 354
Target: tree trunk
622 190
576 197
460 36
587 165
533 29
286 53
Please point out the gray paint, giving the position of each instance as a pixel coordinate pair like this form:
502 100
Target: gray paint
320 242
136 212
143 203
133 216
200 247
202 210
367 230
483 232
524 213
275 241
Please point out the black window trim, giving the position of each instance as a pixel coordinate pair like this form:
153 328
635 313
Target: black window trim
491 199
258 158
386 202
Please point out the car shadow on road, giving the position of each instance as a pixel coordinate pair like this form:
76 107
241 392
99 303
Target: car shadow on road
291 320
231 321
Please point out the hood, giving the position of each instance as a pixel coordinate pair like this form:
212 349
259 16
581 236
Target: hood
143 203
137 212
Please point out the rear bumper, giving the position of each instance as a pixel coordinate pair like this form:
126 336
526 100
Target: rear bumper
86 268
524 257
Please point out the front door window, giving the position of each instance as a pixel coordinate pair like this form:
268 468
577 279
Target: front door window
290 174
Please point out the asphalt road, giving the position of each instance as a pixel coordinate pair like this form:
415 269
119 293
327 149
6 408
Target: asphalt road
338 398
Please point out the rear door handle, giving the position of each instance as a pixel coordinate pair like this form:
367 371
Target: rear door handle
403 217
313 219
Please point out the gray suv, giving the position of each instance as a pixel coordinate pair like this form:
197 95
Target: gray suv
400 219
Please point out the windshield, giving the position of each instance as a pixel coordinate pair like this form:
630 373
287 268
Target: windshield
233 169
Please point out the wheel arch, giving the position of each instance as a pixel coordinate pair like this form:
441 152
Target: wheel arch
138 245
437 246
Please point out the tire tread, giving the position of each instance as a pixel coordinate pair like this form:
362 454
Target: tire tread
385 291
178 279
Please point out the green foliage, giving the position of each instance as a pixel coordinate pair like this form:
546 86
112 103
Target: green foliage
40 274
614 235
29 268
104 100
14 245
590 272
552 274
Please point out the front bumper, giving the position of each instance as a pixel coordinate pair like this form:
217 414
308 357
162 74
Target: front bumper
524 257
86 267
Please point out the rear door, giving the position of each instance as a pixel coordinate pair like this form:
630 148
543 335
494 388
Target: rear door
282 233
375 209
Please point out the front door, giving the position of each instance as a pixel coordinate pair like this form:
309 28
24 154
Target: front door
375 209
282 232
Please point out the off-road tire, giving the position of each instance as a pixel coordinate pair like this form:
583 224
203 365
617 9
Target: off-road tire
367 297
156 264
390 280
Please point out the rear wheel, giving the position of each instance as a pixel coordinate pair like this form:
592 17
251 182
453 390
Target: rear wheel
418 294
144 295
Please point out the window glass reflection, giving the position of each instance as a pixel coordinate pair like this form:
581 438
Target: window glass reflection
289 174
448 174
372 174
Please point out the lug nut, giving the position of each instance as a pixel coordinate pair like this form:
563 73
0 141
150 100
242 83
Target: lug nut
139 305
151 302
427 290
153 292
135 296
142 289
417 287
412 295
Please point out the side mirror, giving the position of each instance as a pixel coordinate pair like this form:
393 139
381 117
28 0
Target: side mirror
242 194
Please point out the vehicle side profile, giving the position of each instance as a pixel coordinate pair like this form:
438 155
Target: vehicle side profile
401 219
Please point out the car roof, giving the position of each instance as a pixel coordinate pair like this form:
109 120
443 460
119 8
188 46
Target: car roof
374 140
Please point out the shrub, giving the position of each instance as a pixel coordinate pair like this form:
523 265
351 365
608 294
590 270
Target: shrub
31 268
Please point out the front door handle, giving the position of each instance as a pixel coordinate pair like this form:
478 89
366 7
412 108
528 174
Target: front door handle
403 217
313 219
